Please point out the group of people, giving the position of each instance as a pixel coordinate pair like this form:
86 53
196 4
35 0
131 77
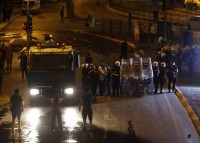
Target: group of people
16 108
103 77
6 56
159 72
166 64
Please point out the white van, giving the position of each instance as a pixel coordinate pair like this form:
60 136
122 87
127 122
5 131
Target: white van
194 22
34 6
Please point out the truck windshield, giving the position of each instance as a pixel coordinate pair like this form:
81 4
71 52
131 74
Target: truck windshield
48 62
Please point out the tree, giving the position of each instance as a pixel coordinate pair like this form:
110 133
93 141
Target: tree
70 8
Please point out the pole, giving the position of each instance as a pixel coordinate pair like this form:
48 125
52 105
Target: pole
156 22
165 22
28 25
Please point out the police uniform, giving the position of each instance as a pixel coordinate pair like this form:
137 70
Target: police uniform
172 77
156 73
162 75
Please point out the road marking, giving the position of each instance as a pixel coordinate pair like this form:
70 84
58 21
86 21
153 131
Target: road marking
174 120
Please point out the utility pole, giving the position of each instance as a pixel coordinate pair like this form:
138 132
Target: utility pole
164 8
28 32
156 19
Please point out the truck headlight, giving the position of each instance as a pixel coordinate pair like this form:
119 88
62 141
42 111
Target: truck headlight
69 91
34 91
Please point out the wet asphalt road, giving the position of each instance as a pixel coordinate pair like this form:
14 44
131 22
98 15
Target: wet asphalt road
35 128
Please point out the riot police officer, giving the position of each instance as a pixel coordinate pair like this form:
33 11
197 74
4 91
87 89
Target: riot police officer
172 76
116 79
156 73
162 75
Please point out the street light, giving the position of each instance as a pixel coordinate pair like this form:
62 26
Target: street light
29 25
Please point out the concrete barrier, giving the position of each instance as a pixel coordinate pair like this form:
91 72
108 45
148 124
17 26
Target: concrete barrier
191 113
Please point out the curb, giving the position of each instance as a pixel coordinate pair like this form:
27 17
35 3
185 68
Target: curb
6 24
4 105
191 113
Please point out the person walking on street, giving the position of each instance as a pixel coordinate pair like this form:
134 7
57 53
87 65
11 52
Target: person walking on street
23 63
162 75
172 76
62 15
16 108
86 102
9 57
3 53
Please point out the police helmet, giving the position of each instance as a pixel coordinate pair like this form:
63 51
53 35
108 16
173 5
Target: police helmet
163 64
117 63
155 63
173 63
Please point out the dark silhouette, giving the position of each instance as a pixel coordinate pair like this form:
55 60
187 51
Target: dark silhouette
86 102
16 108
62 15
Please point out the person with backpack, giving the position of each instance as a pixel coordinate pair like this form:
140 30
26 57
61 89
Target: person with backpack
172 73
16 108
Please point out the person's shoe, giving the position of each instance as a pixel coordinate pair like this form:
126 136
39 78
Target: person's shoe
161 92
169 91
155 93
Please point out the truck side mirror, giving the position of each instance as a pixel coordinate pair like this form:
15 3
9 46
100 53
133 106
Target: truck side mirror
76 61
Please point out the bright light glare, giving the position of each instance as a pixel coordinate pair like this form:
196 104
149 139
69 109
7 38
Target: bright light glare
34 91
69 91
33 119
71 141
71 118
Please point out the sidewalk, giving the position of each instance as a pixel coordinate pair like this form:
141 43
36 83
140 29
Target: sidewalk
4 99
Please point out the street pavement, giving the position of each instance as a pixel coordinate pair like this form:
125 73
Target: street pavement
170 100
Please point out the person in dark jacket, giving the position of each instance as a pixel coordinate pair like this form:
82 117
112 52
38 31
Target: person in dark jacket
62 14
94 75
86 102
156 73
162 75
16 108
108 80
88 59
115 81
124 49
23 63
172 74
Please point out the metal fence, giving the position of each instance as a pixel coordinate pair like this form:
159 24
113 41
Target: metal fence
178 18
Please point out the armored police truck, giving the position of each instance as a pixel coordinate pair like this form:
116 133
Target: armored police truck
51 69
